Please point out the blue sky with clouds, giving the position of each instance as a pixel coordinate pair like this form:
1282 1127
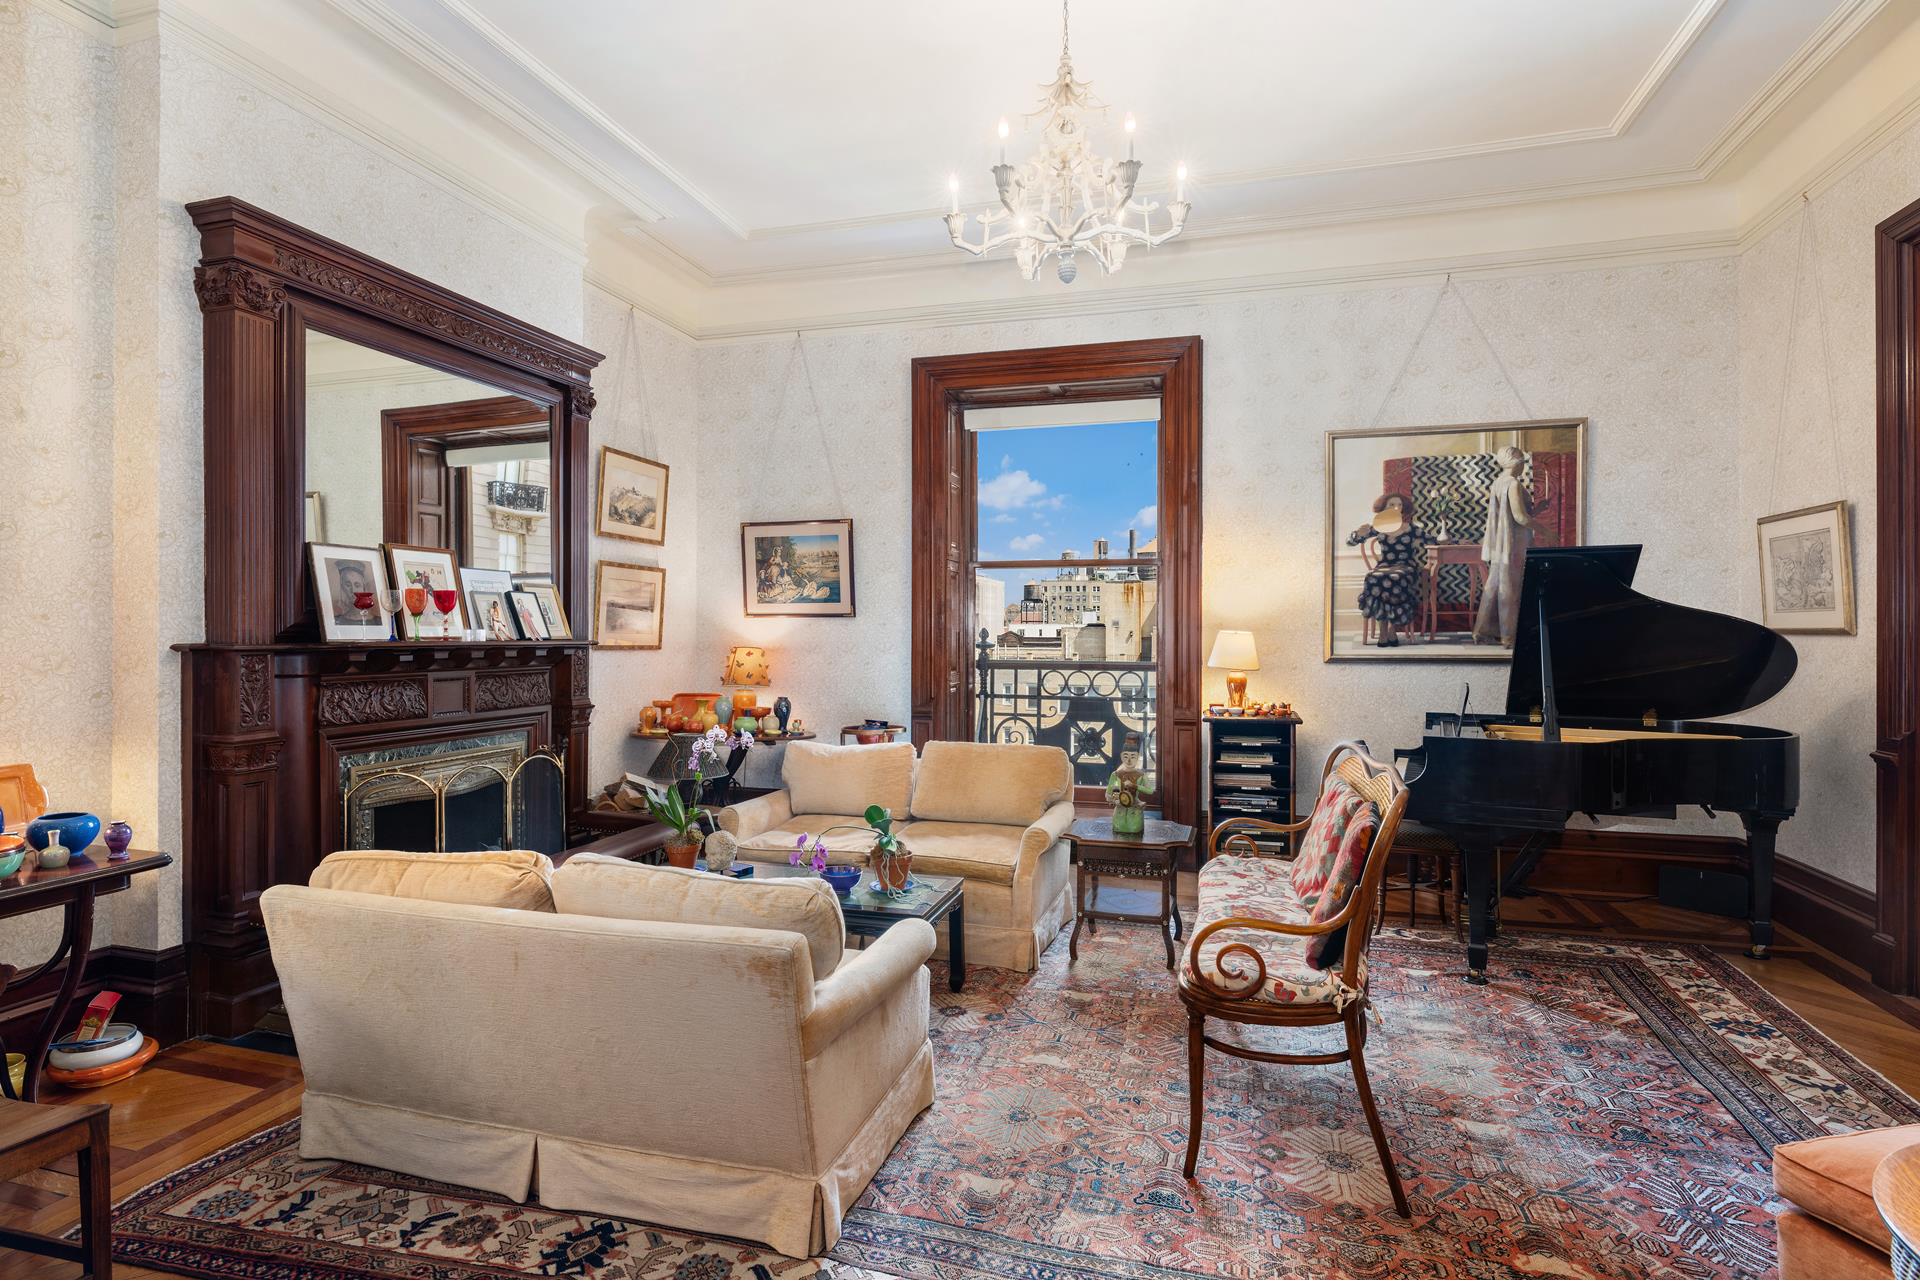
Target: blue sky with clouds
1044 490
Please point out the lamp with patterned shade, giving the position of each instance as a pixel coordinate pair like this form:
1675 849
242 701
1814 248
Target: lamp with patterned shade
747 666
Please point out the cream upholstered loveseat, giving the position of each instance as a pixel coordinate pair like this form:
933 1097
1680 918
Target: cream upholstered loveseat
992 813
657 1044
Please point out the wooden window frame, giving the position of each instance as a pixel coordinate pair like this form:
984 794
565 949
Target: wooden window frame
944 388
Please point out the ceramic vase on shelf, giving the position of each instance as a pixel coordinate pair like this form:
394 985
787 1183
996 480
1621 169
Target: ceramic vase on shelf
119 836
55 854
782 709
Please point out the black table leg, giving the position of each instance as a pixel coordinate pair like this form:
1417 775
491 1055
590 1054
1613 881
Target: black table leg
1079 913
1761 832
1478 859
956 948
1166 914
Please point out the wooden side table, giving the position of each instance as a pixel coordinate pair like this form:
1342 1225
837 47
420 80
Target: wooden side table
1896 1194
33 1136
1150 855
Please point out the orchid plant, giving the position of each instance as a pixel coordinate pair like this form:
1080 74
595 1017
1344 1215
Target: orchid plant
669 805
811 850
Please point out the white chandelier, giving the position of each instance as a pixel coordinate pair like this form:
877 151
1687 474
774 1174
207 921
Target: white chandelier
1066 200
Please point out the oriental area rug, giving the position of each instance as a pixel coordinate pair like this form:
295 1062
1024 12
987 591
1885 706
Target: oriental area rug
1604 1108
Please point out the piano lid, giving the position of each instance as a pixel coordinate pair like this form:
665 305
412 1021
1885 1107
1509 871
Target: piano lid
1617 653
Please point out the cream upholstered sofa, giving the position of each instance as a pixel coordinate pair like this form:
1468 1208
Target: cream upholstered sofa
657 1044
992 813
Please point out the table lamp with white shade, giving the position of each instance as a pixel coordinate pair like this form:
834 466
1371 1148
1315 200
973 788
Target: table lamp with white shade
1234 651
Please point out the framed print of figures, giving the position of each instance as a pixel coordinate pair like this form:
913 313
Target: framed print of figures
493 614
633 497
347 582
798 568
1806 570
1428 529
526 612
432 568
552 613
629 602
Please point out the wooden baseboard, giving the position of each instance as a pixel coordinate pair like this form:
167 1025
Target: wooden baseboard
152 987
1819 906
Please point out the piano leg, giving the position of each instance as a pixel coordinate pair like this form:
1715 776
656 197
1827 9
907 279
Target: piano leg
1761 831
1476 857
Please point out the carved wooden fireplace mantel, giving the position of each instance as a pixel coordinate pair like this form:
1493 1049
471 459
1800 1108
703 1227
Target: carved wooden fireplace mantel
269 706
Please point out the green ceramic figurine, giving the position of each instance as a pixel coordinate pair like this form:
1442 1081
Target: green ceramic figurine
1128 789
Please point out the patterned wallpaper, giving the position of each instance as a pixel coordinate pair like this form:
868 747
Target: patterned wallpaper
1646 352
1830 702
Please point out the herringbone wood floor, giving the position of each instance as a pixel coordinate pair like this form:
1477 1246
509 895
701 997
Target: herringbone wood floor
198 1097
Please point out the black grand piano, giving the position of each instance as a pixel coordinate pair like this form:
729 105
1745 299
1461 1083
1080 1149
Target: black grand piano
1603 705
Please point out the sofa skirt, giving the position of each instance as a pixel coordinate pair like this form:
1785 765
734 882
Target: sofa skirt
795 1213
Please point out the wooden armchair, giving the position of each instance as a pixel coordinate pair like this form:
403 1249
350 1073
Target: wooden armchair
1259 972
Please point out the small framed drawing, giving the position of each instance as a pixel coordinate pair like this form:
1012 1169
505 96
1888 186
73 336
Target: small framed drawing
493 613
526 612
432 568
633 497
801 568
347 582
547 596
1806 570
629 602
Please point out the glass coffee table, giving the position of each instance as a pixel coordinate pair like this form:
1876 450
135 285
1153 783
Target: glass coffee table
869 913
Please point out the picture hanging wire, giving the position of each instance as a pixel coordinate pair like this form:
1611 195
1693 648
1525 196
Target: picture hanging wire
1826 365
799 355
1448 287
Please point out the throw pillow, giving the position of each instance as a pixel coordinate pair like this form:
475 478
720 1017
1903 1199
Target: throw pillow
601 885
1333 813
1349 864
490 878
823 779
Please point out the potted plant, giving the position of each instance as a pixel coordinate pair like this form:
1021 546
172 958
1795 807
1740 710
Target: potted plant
889 857
677 805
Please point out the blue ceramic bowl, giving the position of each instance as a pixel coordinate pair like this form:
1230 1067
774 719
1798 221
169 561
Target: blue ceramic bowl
841 878
76 830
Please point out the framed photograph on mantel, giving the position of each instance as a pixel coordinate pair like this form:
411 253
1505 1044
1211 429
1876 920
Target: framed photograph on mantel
1806 570
1428 529
434 569
629 605
633 497
346 586
801 568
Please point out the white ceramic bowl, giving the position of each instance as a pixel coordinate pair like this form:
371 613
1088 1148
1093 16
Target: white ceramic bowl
71 1060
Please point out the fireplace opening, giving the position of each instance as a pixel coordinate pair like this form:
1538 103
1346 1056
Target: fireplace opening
479 792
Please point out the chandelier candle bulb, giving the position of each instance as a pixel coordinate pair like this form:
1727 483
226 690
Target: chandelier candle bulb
1180 184
1129 135
1003 140
953 190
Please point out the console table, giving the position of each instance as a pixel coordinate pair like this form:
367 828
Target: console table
73 888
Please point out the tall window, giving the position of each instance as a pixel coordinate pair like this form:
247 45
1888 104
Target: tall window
1025 484
1065 579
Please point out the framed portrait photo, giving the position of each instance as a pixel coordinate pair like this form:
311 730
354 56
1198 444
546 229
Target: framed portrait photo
633 497
629 604
434 569
1806 570
552 612
347 582
1428 530
526 613
801 568
493 613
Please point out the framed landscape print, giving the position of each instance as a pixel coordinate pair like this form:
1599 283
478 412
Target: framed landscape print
1806 570
434 569
1428 528
629 602
798 568
633 497
344 577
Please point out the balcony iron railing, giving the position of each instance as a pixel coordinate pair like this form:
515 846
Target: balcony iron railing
1085 707
517 496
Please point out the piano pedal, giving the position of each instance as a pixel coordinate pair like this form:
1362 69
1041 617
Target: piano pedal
1760 952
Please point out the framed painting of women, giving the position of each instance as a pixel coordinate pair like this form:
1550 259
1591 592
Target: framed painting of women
1428 528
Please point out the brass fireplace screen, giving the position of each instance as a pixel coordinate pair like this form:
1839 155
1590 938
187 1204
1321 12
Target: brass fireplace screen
374 787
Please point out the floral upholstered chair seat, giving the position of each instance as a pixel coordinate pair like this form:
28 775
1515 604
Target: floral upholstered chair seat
1235 885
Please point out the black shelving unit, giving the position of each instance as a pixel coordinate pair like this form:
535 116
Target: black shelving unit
1251 773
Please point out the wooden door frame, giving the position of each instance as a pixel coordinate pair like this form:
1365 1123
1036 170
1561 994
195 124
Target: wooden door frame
943 387
498 420
1895 947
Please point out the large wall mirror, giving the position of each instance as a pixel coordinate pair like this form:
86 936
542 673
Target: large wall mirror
401 452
